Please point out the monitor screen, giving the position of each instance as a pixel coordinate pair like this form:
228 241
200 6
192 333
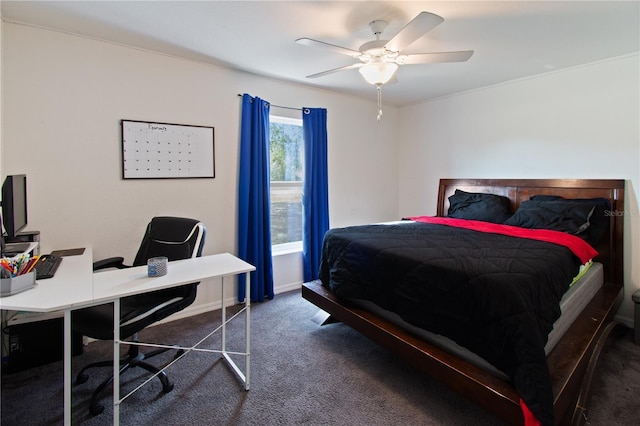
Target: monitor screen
14 204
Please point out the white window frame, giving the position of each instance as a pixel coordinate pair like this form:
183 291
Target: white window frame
293 246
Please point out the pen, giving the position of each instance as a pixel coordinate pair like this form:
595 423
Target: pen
6 266
23 267
32 265
19 263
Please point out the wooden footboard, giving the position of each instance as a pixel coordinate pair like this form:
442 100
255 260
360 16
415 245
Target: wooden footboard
573 361
568 363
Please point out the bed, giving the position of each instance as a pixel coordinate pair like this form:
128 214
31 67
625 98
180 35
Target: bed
571 359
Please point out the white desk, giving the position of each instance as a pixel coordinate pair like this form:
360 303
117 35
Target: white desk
70 287
76 286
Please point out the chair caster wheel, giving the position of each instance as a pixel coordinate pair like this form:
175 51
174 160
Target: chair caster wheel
95 410
82 378
168 388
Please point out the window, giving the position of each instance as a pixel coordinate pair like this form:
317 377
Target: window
286 173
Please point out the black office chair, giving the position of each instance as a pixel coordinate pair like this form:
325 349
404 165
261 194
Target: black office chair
173 237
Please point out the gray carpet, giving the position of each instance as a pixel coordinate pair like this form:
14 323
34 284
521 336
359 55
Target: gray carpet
301 374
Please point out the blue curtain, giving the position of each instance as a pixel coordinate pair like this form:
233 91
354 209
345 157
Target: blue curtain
254 227
315 191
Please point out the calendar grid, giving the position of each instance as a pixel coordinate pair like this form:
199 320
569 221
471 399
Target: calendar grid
162 150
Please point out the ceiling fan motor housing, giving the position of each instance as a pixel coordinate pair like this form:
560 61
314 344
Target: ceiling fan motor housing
374 49
377 26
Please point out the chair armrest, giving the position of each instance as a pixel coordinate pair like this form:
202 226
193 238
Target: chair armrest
111 262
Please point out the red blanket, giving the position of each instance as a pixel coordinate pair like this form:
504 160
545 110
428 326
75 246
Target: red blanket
577 245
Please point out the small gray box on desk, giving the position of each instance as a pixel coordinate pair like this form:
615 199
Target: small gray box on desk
17 284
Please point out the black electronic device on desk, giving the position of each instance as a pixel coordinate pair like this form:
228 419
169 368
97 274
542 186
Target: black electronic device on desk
46 266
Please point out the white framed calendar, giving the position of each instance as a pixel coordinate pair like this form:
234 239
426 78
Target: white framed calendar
166 151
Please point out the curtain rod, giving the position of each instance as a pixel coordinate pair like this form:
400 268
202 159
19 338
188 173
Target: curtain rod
278 106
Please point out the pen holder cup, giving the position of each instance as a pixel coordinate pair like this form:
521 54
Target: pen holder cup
20 283
157 266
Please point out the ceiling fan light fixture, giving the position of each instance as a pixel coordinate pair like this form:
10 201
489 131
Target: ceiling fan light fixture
380 58
378 73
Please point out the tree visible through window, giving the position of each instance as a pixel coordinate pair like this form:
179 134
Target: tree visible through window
286 173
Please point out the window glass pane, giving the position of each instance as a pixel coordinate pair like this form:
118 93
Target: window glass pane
286 214
286 154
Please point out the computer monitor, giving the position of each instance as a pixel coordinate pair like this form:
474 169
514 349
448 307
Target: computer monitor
14 204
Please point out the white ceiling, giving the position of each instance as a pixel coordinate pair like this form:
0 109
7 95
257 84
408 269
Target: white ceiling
511 39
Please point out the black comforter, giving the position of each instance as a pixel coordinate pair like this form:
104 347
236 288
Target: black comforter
496 295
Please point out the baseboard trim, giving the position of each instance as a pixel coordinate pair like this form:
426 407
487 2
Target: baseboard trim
288 287
625 320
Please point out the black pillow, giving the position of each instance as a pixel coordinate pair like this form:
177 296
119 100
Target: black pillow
599 220
557 215
479 206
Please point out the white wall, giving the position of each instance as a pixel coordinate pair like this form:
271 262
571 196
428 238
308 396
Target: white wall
1 98
577 123
64 97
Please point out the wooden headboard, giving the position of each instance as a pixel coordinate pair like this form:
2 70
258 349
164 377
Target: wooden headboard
519 190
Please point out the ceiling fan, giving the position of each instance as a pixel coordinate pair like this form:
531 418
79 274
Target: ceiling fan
380 58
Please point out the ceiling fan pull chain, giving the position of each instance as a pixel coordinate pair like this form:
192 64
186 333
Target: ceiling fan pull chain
379 86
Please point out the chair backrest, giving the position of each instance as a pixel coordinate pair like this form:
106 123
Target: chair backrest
176 238
173 237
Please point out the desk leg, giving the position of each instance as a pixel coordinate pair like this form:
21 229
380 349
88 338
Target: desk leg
67 367
247 327
223 332
116 362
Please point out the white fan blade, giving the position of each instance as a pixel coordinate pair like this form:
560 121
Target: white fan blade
434 58
348 67
419 26
322 44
